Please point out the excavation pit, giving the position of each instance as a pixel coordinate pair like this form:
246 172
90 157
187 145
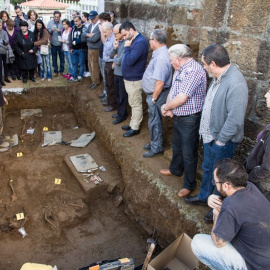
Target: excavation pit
148 201
67 225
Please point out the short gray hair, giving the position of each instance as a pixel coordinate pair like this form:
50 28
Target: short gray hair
160 35
107 25
180 50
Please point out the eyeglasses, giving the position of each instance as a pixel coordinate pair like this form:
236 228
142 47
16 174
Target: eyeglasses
214 183
151 39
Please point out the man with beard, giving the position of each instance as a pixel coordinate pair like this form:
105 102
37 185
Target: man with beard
133 66
240 237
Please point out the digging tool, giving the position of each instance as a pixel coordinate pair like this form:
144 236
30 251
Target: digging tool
147 259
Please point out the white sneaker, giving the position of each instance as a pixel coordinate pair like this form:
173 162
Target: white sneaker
72 80
79 78
86 74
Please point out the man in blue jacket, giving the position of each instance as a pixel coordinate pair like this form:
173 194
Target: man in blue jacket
133 66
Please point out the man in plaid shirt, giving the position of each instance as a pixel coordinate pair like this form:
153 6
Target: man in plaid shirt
184 103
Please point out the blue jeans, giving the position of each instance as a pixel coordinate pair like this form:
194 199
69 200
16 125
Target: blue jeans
45 63
69 62
77 58
216 258
185 143
55 50
212 154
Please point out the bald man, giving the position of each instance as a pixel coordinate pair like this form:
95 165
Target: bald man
121 93
107 31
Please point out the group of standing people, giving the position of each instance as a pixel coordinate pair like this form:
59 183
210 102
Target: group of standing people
21 47
240 193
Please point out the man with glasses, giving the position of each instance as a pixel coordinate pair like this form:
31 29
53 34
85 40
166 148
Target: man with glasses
156 85
222 121
133 67
121 93
240 237
55 29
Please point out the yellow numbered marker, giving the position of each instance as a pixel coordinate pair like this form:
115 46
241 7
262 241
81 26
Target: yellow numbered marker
45 129
20 216
20 154
57 181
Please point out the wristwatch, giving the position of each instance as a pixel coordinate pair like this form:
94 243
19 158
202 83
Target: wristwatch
153 100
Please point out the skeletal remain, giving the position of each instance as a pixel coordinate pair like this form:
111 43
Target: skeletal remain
13 195
76 205
46 215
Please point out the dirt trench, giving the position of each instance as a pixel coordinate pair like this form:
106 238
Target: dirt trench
150 199
65 226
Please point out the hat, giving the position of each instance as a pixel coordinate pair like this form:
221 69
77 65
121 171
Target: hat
92 15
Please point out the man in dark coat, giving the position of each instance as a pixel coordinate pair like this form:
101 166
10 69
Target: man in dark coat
24 46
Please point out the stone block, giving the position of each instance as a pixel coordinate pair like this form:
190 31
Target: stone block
252 89
243 51
193 35
248 16
146 11
190 4
207 37
120 9
214 12
176 34
263 60
184 16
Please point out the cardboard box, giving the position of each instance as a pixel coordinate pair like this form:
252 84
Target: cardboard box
178 256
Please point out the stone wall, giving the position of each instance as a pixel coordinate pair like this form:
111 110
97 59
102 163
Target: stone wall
242 26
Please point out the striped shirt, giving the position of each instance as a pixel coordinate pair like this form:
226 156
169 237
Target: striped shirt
205 119
189 80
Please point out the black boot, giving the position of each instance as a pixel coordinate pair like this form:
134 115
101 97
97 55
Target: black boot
33 79
24 80
7 80
2 83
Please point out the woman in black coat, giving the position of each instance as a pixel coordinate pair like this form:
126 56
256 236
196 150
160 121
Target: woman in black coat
24 46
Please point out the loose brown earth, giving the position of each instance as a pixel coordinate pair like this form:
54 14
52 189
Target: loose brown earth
66 226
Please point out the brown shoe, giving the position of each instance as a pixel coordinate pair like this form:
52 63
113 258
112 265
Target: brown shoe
183 192
62 73
165 172
55 74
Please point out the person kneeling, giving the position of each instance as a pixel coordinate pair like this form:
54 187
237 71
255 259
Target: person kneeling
240 237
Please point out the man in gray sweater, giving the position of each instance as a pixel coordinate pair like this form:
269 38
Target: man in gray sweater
222 121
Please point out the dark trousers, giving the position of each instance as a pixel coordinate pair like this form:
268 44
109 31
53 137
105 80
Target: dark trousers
185 144
13 68
86 68
55 50
25 73
109 76
3 60
121 97
155 120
